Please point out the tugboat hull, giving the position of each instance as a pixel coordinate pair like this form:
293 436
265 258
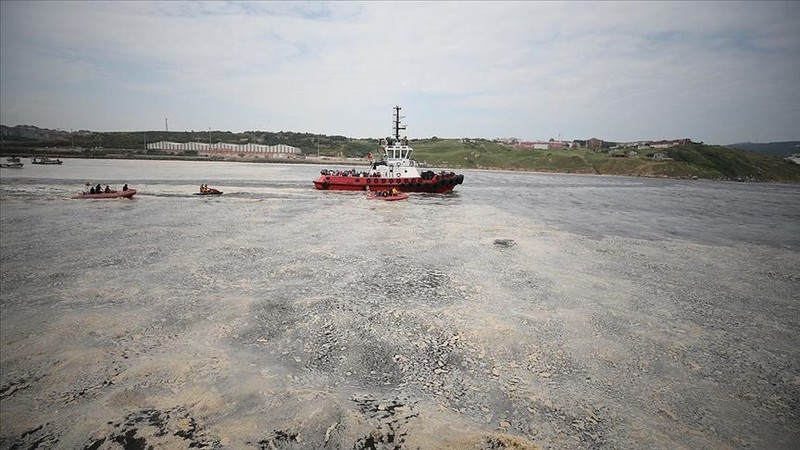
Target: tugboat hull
438 184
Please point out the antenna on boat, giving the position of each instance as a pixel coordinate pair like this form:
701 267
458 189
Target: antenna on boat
397 126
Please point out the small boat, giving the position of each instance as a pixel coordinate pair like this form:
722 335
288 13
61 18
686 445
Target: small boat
116 194
45 160
210 191
388 197
12 163
396 169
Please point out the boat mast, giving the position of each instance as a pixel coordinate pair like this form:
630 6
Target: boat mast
397 126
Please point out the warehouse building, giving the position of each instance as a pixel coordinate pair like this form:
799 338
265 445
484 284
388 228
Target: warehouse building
228 150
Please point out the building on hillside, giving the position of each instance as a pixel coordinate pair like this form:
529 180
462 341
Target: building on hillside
632 144
177 147
508 141
662 143
594 144
661 156
253 151
222 149
535 145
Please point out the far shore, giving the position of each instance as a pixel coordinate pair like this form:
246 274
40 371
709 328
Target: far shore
329 160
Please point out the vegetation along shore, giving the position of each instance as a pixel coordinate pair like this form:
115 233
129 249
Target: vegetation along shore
687 160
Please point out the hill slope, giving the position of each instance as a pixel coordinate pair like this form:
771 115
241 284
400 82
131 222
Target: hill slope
782 149
688 161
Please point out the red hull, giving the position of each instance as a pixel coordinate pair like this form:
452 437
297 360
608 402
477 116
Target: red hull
121 194
444 182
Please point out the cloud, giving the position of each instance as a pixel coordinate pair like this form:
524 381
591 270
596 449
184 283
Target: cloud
713 71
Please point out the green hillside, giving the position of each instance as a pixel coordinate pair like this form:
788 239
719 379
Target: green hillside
786 148
688 161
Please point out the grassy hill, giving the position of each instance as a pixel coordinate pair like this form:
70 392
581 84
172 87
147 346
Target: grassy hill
688 161
783 149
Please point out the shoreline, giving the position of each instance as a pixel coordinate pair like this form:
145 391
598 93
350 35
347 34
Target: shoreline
358 162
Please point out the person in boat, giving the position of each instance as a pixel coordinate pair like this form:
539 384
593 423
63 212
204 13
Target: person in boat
395 192
98 189
125 188
87 189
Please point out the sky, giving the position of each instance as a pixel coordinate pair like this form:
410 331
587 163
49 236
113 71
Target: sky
716 72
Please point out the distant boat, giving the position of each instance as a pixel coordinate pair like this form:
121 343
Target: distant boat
387 196
12 163
117 194
208 191
45 160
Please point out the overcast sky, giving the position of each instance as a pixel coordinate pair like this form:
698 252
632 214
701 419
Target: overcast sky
715 72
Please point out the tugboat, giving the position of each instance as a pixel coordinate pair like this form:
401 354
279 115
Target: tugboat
395 170
45 160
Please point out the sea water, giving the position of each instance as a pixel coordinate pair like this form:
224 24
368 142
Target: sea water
565 311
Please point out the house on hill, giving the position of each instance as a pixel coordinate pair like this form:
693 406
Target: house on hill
594 144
